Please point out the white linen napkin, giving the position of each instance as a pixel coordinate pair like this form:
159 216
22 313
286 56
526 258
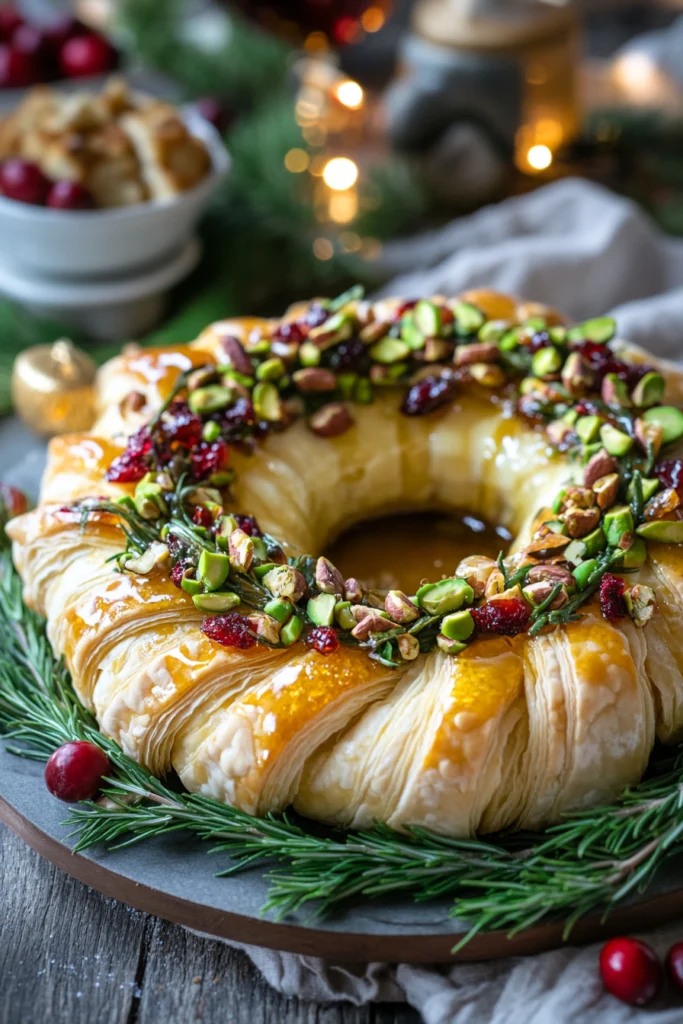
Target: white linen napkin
586 251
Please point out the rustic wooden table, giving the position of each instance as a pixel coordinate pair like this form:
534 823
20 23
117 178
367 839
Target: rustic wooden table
71 956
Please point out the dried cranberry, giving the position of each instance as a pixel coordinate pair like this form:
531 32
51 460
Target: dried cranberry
290 332
612 602
181 425
209 457
505 615
429 394
238 416
177 573
602 361
315 316
249 525
202 517
231 630
404 308
670 473
127 469
139 443
349 356
587 408
323 639
541 339
69 195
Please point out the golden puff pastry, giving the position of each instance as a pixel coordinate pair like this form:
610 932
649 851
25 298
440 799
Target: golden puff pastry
511 732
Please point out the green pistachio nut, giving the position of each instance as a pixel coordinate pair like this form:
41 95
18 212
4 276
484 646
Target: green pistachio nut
558 334
583 571
336 328
615 441
225 525
260 571
210 399
571 416
575 552
411 334
458 625
667 531
614 392
213 569
588 428
427 319
493 330
266 400
649 390
260 549
309 354
389 350
449 646
557 526
291 631
271 369
363 393
126 501
191 585
285 581
510 341
594 542
230 377
546 362
469 319
216 602
343 615
669 419
279 609
489 375
211 431
617 521
320 609
446 596
636 554
557 504
600 330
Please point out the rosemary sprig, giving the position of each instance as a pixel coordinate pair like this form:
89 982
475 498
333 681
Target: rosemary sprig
592 860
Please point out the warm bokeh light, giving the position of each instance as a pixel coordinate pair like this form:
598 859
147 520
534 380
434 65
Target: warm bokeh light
297 161
340 173
373 19
350 241
539 157
343 207
323 249
350 94
316 42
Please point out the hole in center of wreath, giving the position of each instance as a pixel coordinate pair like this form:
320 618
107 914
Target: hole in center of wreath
397 552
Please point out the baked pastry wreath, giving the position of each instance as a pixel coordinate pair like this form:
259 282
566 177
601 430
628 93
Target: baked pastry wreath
168 555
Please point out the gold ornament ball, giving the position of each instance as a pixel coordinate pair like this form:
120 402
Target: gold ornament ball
53 388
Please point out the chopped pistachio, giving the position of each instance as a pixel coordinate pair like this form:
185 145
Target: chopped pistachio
260 571
408 646
640 602
557 504
156 554
241 549
389 350
669 419
557 526
190 584
546 362
218 601
267 404
427 319
336 328
588 428
595 541
328 578
575 552
616 442
309 354
363 394
400 608
617 521
649 390
213 569
599 330
614 392
320 609
458 625
649 487
446 596
291 631
210 399
211 431
570 417
468 318
487 374
606 489
666 531
343 615
648 435
271 369
284 581
411 333
353 590
265 626
449 646
583 571
509 341
225 525
372 622
493 330
636 555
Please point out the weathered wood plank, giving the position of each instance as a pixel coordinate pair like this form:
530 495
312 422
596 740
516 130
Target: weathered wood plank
68 954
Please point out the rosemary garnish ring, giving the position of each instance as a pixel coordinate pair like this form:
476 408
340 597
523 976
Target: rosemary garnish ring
590 862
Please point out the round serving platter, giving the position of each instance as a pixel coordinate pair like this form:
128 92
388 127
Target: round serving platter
174 877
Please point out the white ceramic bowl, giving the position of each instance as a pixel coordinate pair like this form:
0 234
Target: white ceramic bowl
106 243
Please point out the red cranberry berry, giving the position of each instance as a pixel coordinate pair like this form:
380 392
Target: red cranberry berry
674 965
239 416
30 39
315 316
323 639
630 970
249 525
612 602
602 361
17 69
209 457
404 308
12 500
69 195
181 425
231 630
65 27
429 394
291 332
86 55
670 473
177 573
349 356
202 517
10 20
24 182
216 112
506 615
75 771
